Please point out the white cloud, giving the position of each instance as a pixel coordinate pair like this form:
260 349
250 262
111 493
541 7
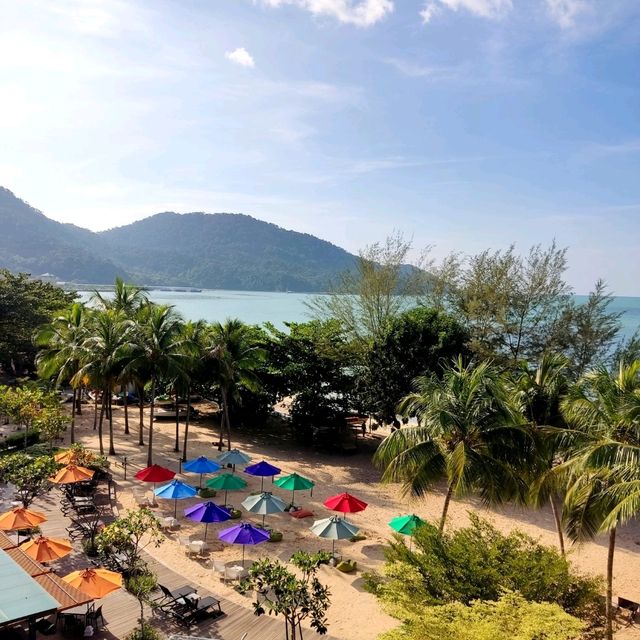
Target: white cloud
240 56
491 9
361 13
565 12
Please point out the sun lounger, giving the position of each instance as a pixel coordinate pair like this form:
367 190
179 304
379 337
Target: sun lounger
169 597
188 610
630 607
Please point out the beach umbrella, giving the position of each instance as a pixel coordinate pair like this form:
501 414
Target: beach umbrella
334 528
345 503
244 534
406 525
226 482
72 473
175 490
293 483
264 504
207 512
262 469
201 465
44 549
233 457
20 518
95 583
155 473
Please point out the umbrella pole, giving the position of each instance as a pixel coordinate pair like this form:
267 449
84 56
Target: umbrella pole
243 556
206 526
293 497
200 481
261 484
175 508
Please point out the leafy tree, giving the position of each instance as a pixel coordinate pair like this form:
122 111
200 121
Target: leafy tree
365 299
127 298
51 423
130 535
142 586
417 342
509 618
233 358
30 476
604 407
295 597
468 432
25 305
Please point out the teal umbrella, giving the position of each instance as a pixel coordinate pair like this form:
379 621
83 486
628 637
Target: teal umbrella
293 483
226 482
263 504
334 528
406 525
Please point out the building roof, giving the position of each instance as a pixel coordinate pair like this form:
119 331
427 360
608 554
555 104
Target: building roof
20 596
66 595
6 542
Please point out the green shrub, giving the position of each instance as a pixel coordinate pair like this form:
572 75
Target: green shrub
145 632
275 536
511 617
205 492
15 441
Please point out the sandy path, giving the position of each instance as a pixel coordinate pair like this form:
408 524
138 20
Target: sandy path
334 474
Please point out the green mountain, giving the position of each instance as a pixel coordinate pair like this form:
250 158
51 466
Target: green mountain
214 251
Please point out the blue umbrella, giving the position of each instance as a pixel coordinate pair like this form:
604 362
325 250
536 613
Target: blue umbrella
201 465
262 469
243 533
207 512
233 457
175 491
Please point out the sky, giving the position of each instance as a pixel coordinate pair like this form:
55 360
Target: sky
464 124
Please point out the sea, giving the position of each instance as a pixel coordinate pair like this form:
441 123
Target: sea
258 307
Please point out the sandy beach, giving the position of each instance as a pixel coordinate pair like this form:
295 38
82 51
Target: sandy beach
332 474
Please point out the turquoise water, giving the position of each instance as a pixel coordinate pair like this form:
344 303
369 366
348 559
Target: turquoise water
256 307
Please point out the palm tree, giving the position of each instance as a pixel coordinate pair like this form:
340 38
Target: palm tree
105 353
61 343
468 432
235 357
605 467
159 351
539 392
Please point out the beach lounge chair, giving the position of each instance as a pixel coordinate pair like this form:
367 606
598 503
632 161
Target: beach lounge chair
630 607
189 610
168 597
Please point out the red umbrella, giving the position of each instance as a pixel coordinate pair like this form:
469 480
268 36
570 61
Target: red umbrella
345 503
155 473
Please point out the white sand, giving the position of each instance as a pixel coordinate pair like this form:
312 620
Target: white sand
354 614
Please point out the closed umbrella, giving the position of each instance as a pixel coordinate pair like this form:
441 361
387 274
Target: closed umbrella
264 504
262 469
207 512
226 482
201 465
233 457
244 534
71 474
293 482
175 490
96 583
44 549
345 503
334 528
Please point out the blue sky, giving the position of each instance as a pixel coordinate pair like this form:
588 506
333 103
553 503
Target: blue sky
465 124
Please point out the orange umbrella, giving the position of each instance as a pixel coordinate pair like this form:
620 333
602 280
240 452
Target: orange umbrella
96 583
70 456
46 549
20 518
72 473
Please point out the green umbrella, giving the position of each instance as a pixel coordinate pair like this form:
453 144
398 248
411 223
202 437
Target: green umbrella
226 482
406 525
294 483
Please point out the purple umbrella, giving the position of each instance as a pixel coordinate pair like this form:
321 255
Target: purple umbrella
207 512
243 533
262 469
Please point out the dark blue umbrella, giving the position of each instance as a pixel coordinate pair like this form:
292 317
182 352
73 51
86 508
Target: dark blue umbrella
201 465
262 469
175 490
243 533
207 512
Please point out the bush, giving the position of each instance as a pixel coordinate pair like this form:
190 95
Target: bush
15 441
509 618
145 632
275 536
205 492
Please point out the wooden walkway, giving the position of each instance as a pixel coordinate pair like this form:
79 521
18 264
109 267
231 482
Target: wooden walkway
121 610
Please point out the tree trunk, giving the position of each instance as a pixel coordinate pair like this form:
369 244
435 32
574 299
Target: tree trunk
445 508
609 601
102 410
112 449
73 417
78 407
222 423
186 425
95 409
126 409
556 517
153 402
140 390
177 445
226 419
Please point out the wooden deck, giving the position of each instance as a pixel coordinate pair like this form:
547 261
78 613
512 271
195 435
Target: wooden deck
121 610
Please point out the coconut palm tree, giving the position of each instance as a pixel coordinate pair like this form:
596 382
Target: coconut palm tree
539 392
234 357
105 353
468 432
159 352
605 467
61 342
